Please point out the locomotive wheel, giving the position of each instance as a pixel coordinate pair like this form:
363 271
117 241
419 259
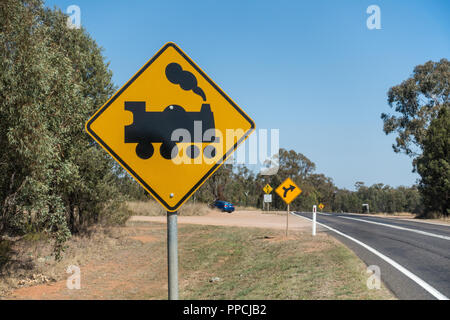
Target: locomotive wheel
209 152
168 150
144 150
192 151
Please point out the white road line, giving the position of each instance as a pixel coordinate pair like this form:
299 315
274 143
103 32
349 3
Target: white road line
400 268
325 214
400 228
381 216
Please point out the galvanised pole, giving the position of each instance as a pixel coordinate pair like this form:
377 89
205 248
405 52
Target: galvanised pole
172 254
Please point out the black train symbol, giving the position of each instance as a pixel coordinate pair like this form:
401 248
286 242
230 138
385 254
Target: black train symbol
151 127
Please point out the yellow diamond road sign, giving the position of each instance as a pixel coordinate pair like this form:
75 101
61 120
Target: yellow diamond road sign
288 191
321 206
170 126
267 189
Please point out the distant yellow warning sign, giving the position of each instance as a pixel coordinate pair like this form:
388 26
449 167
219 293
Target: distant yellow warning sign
321 206
267 189
170 126
288 191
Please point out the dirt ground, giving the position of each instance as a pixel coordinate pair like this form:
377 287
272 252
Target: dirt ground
126 270
252 219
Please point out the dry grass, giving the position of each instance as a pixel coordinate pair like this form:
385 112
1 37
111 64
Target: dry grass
395 214
146 208
408 215
434 217
445 220
277 212
152 208
244 208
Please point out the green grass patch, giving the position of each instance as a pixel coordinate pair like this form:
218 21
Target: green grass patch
250 266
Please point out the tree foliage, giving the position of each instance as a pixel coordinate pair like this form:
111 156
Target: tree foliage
53 178
418 101
380 198
422 102
434 165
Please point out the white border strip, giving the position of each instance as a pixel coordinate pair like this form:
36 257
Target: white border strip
400 268
400 228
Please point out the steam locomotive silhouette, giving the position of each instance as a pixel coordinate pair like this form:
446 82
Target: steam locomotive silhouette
153 127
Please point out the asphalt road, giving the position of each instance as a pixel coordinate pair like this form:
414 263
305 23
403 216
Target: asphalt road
421 248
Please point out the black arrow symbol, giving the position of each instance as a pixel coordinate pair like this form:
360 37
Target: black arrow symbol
286 190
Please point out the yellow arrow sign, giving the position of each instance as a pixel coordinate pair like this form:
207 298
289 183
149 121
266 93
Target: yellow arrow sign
288 191
170 126
267 189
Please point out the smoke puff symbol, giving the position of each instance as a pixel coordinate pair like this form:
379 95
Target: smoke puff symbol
184 79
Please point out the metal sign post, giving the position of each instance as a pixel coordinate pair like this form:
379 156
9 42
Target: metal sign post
172 254
287 220
288 191
267 201
314 220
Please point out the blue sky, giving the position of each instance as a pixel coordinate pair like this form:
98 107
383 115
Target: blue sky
309 68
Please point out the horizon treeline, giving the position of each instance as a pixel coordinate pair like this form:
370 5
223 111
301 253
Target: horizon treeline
243 187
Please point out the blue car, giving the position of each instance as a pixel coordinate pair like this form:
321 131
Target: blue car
224 205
